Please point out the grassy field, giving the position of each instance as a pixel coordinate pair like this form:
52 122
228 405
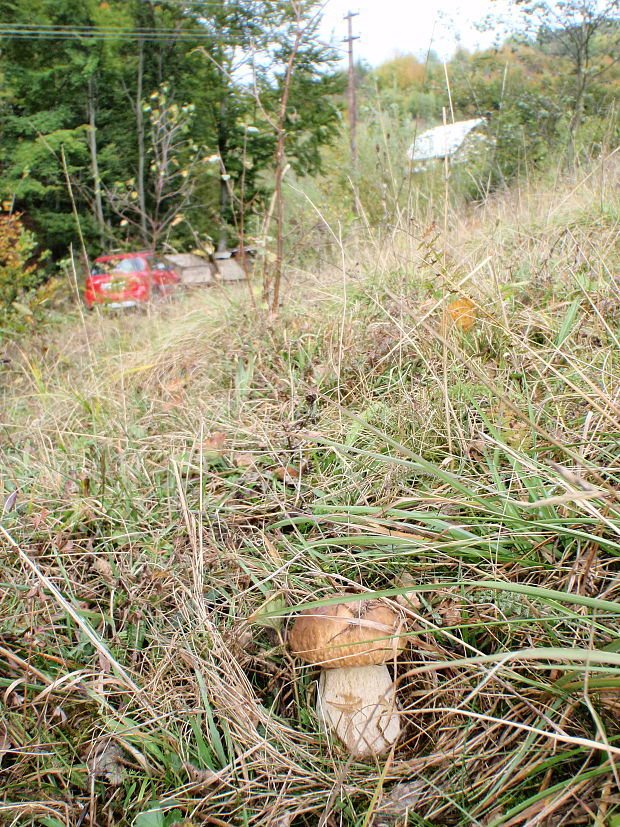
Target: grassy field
434 418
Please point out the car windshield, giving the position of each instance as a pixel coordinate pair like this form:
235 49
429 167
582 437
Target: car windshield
127 265
120 265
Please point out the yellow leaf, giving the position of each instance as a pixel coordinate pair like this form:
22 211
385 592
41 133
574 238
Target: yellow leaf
463 313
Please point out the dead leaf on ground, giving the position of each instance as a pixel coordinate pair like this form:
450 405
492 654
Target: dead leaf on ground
202 778
426 307
175 402
463 313
399 803
107 764
273 551
408 600
5 742
161 574
288 474
213 446
174 385
244 460
59 713
285 820
321 373
13 700
610 701
9 503
475 449
451 613
39 517
103 567
215 441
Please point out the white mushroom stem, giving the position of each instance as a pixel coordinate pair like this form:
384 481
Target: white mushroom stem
359 704
352 640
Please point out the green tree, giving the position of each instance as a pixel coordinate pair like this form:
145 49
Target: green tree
78 75
585 33
241 101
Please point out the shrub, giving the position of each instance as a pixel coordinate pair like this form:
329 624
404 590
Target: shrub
17 271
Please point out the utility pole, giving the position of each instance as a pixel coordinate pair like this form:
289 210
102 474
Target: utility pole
352 99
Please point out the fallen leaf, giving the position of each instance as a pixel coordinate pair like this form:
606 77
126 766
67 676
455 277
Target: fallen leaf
463 313
103 567
104 663
284 820
215 441
71 487
203 778
451 614
287 473
408 600
39 518
107 763
174 385
610 701
399 803
213 447
5 741
244 460
475 449
58 712
14 700
161 574
174 402
272 551
9 503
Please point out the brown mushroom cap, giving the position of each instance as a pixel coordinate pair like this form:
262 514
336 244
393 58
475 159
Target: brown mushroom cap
359 633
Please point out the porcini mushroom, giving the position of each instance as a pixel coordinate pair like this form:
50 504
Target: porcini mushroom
352 642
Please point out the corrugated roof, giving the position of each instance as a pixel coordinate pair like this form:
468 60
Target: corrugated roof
441 140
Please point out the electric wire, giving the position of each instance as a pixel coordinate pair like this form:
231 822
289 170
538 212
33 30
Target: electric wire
25 32
101 33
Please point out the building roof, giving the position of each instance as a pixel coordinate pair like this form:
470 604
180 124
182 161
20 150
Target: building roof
441 140
186 260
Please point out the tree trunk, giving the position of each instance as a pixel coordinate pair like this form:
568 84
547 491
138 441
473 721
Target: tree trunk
222 241
280 168
578 106
140 137
222 148
92 143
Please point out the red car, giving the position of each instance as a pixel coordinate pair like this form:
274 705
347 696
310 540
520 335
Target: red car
128 279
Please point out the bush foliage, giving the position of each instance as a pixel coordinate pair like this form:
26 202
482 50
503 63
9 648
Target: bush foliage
17 270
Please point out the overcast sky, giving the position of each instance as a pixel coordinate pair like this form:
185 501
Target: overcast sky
387 27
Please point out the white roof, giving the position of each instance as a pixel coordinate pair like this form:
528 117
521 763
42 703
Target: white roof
186 260
441 140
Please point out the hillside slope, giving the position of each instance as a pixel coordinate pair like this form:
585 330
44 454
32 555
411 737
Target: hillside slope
434 418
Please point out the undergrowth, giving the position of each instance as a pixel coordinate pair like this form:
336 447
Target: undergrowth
177 484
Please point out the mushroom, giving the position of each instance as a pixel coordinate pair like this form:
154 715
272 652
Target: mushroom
352 642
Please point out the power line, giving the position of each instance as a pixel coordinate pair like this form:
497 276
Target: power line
66 32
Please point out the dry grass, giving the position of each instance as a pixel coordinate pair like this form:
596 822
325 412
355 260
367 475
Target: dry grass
185 480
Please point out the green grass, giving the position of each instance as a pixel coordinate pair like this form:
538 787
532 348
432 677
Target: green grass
187 479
